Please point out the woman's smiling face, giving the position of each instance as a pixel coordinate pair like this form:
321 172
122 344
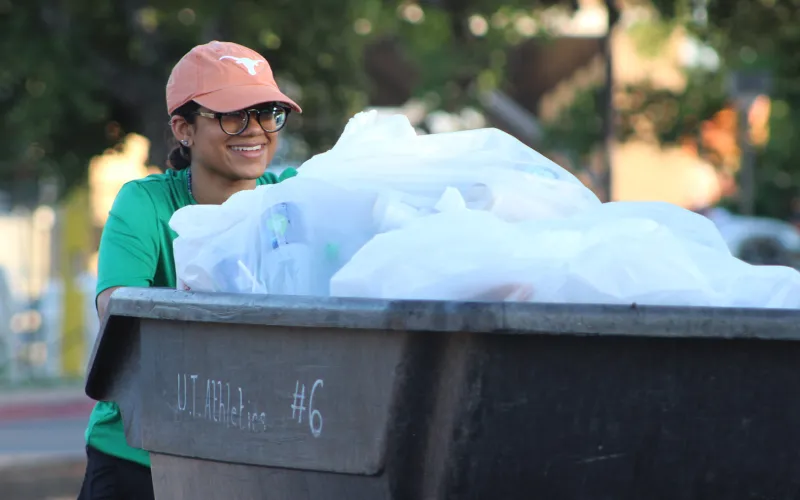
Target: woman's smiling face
244 156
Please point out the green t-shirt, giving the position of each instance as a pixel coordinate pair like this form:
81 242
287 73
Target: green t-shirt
136 251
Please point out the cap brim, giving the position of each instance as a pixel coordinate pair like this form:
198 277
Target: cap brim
243 96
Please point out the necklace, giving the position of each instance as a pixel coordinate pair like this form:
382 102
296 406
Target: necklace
189 182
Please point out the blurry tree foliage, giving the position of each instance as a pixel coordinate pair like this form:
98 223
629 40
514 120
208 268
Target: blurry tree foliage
747 35
79 74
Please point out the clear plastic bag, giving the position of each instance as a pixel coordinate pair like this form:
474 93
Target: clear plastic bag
448 256
491 170
288 238
464 216
645 253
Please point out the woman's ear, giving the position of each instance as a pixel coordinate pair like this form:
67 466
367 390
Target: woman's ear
181 129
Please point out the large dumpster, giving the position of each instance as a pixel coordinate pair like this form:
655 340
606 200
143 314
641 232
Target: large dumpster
256 397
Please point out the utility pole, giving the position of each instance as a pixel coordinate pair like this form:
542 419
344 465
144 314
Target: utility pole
608 101
744 88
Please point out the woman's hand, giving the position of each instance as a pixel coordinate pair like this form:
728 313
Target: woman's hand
102 301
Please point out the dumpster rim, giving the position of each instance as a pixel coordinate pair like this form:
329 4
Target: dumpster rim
445 316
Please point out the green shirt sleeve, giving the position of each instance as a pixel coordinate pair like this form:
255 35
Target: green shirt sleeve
286 174
271 178
128 252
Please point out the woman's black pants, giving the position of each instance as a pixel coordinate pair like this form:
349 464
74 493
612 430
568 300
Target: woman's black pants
112 478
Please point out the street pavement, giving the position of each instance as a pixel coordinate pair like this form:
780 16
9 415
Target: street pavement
42 453
32 440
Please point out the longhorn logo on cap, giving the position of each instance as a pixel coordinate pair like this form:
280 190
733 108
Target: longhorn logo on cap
248 63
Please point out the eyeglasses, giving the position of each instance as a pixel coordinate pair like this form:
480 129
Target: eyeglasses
271 118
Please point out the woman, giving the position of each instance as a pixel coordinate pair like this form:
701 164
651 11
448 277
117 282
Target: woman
226 111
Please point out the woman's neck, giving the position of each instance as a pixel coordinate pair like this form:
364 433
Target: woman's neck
211 189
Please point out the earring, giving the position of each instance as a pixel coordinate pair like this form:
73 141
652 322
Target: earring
184 142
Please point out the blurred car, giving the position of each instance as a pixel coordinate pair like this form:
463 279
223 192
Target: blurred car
758 240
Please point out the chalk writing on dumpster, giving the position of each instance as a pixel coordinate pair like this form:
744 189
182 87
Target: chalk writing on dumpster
314 416
218 402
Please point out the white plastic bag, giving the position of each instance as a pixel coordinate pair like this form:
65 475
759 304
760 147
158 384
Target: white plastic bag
464 216
622 253
628 258
288 238
446 256
490 169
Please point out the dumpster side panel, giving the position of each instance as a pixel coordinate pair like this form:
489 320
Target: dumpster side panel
311 399
178 478
126 388
428 389
624 418
115 372
454 395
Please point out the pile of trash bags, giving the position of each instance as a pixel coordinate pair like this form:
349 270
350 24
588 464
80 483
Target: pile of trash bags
472 215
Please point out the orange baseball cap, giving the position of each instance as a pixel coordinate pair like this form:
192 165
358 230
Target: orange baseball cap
223 77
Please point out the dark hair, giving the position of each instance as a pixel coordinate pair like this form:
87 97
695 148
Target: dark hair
181 156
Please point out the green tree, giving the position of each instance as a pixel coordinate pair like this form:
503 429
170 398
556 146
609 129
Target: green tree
748 36
79 75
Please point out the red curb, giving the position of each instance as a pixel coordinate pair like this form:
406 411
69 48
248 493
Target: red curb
30 411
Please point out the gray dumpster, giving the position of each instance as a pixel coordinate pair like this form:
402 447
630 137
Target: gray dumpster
256 397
